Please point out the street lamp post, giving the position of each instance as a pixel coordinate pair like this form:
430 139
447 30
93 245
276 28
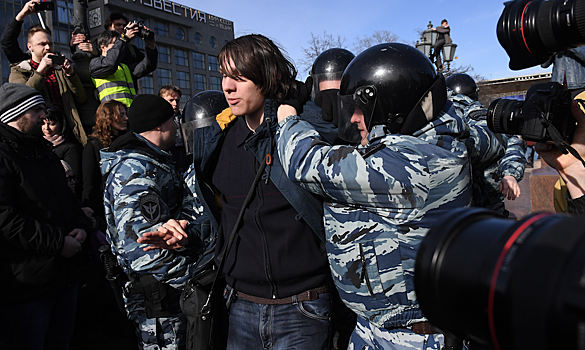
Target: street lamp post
428 40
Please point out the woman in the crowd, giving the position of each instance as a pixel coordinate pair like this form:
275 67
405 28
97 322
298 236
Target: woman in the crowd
64 144
110 122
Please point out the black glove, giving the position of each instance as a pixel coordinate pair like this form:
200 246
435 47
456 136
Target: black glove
299 95
327 100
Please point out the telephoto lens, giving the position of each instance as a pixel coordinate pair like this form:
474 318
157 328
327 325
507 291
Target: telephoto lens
533 30
505 284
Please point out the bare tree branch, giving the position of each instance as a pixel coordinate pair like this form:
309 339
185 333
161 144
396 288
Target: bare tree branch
378 37
317 45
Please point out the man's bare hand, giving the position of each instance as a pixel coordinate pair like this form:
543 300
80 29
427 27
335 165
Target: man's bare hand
67 67
509 187
76 39
27 9
78 234
70 247
171 235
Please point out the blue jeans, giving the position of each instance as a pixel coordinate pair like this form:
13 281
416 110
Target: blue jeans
41 324
302 326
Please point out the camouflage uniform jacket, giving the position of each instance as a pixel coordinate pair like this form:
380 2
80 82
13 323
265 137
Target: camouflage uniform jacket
143 191
381 200
486 181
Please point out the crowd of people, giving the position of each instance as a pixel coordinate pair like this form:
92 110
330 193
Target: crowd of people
311 197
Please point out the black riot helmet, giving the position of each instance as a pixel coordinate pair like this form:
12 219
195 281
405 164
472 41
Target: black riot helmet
200 111
329 65
394 85
463 84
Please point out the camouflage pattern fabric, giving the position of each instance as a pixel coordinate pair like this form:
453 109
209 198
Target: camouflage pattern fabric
369 337
141 194
381 200
486 183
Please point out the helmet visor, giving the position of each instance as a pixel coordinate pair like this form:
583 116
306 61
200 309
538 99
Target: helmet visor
326 81
355 114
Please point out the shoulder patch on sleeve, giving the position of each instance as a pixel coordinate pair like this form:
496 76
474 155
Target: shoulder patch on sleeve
150 208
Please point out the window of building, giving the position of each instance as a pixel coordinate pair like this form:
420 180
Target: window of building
213 42
184 99
198 60
213 63
215 83
198 38
164 54
180 34
165 76
146 85
181 58
64 37
140 44
161 29
65 12
183 80
199 80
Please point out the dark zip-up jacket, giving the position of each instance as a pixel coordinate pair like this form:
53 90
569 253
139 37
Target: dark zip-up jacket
260 266
37 211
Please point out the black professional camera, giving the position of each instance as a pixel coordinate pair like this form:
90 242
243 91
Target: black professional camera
546 104
505 284
44 6
533 30
143 32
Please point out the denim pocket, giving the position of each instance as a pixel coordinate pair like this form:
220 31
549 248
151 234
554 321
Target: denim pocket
319 309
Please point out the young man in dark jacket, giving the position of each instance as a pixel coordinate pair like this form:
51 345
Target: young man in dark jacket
42 229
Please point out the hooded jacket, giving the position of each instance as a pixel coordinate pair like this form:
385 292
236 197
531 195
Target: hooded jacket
37 211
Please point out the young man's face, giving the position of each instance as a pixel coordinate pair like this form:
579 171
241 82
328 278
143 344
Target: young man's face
31 122
174 99
358 119
118 25
40 44
51 127
243 96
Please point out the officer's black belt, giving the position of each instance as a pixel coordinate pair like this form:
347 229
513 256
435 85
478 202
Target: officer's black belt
308 295
421 328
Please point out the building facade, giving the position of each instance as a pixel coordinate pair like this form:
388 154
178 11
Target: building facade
188 40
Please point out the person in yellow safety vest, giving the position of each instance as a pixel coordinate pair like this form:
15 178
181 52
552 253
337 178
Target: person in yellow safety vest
113 79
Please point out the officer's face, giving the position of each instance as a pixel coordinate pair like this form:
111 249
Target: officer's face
358 119
243 96
168 134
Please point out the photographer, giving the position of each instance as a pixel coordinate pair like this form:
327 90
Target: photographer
110 67
53 76
571 169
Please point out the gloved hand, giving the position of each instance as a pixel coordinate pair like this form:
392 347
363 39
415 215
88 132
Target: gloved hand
327 100
297 97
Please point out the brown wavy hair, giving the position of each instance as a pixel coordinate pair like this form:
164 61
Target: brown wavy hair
260 60
107 114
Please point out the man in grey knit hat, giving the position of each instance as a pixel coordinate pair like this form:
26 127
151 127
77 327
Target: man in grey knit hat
42 229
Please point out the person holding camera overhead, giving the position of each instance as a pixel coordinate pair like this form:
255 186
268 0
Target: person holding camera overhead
113 75
53 76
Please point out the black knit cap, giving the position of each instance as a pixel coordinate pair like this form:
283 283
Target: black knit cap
16 99
148 112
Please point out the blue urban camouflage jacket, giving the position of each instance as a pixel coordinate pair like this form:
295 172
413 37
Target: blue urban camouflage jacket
486 181
143 191
380 201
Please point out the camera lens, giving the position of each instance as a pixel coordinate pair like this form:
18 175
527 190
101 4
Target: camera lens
531 31
502 283
504 116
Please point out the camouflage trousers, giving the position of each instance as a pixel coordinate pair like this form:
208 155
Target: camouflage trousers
162 333
366 336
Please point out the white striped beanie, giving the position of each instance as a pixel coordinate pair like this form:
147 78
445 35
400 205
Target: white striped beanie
16 99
